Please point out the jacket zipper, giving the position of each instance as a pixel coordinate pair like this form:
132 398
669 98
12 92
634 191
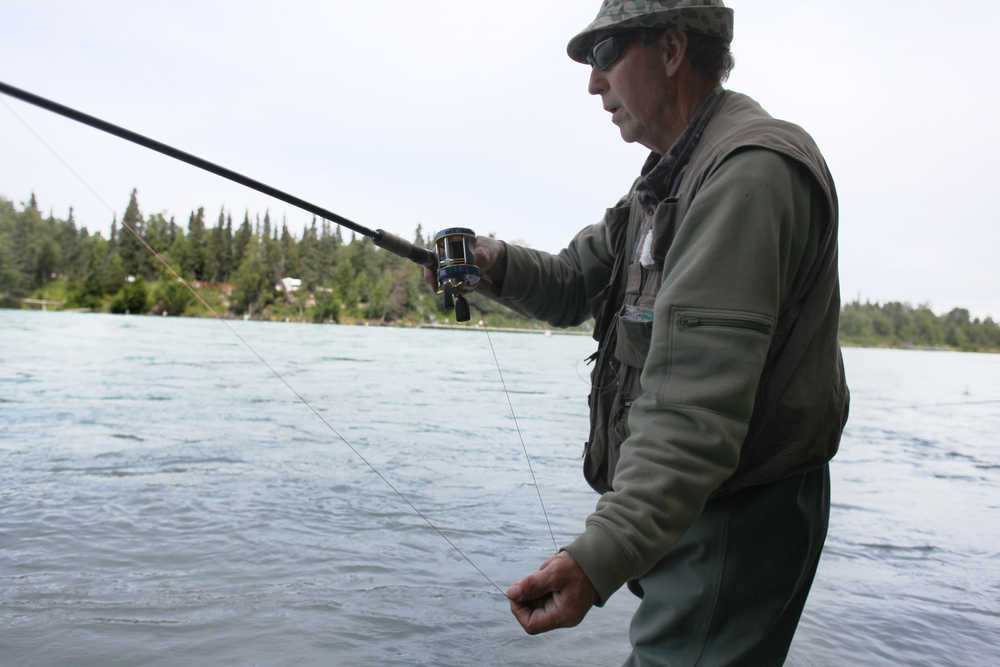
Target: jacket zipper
691 321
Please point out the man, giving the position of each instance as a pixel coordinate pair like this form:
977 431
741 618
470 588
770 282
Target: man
718 392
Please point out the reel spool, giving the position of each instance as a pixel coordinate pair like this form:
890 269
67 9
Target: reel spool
457 272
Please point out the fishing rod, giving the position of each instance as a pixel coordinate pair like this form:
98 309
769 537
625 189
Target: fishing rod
454 261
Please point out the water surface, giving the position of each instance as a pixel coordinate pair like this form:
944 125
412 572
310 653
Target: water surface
166 500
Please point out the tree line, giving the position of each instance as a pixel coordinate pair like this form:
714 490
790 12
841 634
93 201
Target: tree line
896 324
241 267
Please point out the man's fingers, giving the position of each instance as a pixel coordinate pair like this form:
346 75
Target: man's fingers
430 278
538 615
551 560
538 584
533 586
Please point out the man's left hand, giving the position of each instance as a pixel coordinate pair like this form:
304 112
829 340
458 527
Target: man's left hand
559 595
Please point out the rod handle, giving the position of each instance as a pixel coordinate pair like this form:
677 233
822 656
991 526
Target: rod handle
400 246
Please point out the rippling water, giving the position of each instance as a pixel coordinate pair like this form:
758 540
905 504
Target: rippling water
166 500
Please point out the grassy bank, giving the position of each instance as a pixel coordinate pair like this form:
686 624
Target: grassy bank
296 306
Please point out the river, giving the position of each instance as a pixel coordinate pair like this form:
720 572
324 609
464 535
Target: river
166 500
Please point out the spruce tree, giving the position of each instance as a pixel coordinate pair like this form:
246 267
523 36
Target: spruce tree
179 255
157 233
240 241
289 253
129 247
309 267
196 244
213 238
226 252
172 230
69 246
252 283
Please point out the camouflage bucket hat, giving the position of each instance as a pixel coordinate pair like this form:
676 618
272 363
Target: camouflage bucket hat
709 17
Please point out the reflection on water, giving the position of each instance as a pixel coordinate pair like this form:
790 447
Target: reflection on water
167 501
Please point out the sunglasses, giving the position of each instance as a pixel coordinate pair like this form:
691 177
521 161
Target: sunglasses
607 51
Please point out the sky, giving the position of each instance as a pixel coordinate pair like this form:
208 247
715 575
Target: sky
439 113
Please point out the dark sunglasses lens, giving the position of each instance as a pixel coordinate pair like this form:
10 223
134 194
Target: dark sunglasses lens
606 52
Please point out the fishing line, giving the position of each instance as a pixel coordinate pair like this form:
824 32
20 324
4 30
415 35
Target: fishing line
521 436
264 361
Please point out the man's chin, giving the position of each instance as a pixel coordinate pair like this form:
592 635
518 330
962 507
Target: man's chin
627 137
627 131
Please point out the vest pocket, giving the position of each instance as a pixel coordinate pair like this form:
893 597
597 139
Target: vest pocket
635 328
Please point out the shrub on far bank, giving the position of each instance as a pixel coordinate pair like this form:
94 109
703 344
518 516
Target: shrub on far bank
171 297
133 298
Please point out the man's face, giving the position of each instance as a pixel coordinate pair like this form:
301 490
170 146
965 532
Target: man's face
636 90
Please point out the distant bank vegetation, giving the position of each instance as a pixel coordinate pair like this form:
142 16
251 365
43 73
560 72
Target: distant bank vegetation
897 324
241 270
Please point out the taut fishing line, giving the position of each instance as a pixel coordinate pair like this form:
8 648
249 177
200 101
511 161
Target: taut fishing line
521 436
389 242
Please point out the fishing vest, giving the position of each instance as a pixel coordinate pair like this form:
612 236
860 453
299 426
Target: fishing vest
787 432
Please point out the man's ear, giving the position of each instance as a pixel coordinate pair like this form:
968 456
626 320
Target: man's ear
673 47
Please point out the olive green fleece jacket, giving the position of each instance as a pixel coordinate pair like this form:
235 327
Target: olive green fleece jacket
753 243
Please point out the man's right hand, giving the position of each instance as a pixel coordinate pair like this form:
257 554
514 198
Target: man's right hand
558 595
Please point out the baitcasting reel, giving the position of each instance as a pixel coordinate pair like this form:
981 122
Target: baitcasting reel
457 272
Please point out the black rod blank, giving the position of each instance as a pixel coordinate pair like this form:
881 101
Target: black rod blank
381 238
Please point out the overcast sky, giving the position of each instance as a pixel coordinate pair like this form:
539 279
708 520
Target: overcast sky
442 113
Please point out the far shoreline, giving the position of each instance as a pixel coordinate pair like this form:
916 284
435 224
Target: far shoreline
479 325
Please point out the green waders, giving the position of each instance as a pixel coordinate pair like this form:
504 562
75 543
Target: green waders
732 590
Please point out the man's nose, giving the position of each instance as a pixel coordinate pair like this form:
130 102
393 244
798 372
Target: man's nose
598 83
